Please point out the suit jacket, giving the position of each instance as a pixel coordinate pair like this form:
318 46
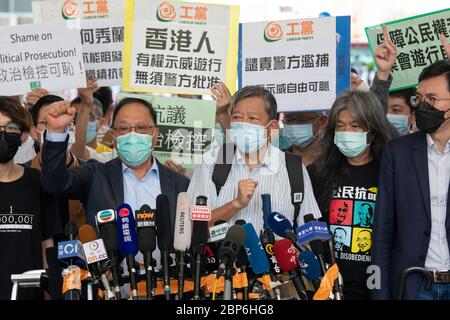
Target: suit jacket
98 185
402 225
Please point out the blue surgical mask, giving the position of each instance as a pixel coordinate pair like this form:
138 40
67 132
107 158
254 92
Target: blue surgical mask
400 122
247 137
300 135
351 144
134 148
91 131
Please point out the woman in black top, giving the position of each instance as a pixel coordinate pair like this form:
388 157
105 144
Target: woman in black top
28 216
345 179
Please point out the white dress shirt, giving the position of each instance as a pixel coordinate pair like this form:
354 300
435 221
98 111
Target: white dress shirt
438 257
272 178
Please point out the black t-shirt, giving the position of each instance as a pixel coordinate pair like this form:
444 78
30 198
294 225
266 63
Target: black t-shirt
350 218
27 217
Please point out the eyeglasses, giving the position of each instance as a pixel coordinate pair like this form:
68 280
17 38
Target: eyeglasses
416 100
10 128
124 128
44 122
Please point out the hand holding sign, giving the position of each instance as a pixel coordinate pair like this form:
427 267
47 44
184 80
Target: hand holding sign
60 115
385 55
446 45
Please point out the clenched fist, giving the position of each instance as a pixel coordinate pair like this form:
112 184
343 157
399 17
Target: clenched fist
246 189
60 116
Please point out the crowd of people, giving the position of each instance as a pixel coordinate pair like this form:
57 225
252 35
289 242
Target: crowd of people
376 168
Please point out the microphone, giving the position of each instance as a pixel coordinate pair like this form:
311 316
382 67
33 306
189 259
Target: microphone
209 250
315 232
242 261
267 240
310 265
164 235
107 226
95 252
199 216
54 274
71 230
287 258
282 227
182 237
71 253
145 220
128 243
266 207
227 253
255 253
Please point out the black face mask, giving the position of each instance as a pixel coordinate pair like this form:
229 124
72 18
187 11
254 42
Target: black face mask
428 118
9 143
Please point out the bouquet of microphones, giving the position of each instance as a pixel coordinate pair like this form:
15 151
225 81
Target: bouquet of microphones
137 256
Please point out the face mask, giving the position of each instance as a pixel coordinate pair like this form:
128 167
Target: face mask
91 131
300 135
247 137
400 122
9 144
428 118
351 144
134 148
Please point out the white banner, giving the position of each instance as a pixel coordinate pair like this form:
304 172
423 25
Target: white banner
179 47
45 55
294 59
100 25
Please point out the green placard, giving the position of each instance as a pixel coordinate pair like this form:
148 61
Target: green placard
186 127
418 44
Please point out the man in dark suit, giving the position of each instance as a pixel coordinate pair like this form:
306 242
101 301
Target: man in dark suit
135 177
412 215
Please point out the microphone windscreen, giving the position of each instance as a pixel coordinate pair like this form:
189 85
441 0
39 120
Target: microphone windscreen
309 265
279 224
126 231
71 230
256 255
164 235
108 233
200 233
147 239
286 255
266 206
233 241
183 223
87 233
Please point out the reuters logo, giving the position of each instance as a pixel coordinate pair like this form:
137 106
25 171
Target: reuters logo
273 32
69 10
166 12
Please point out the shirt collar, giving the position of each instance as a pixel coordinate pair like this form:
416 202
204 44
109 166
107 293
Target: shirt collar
270 161
154 168
432 145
